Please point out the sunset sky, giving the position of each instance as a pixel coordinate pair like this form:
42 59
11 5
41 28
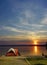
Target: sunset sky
23 19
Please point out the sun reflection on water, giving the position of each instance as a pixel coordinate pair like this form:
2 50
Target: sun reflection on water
35 49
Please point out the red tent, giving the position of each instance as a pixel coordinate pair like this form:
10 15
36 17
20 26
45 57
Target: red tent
12 52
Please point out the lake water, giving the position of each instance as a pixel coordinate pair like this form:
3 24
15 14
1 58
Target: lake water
25 50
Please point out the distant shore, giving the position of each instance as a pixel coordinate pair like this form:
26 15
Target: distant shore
22 45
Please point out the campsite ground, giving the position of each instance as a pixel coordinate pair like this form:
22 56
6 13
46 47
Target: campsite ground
23 61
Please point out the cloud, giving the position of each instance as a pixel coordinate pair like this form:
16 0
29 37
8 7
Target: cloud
17 37
12 29
27 17
44 21
29 14
37 26
43 31
26 33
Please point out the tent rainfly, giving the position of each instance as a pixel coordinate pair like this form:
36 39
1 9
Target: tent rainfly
13 52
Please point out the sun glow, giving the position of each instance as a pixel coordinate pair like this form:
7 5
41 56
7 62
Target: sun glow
35 43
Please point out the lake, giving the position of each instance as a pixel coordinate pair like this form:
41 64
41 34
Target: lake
25 50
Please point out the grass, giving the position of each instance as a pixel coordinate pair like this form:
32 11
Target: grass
23 61
12 61
37 60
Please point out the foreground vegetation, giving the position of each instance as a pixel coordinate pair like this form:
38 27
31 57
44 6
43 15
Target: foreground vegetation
23 61
12 61
37 60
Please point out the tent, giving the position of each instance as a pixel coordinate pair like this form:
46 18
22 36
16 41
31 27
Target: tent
13 52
